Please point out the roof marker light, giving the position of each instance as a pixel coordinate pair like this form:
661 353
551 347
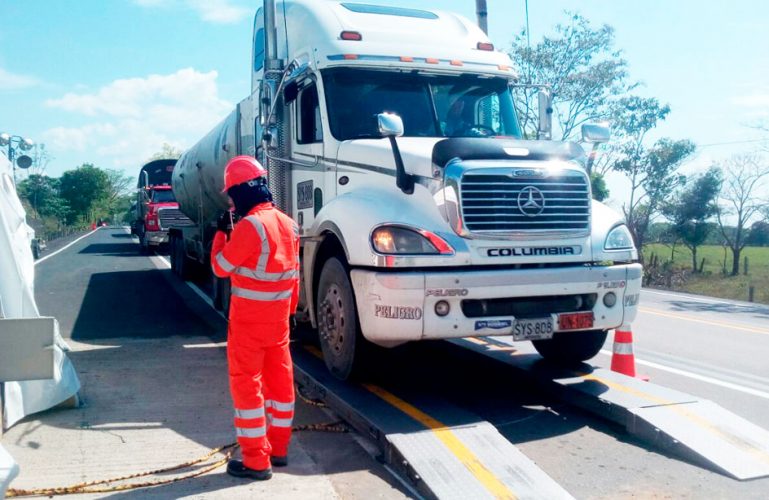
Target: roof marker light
351 56
457 62
431 60
407 59
502 67
351 35
485 46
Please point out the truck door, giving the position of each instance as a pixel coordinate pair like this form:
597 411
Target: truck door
308 167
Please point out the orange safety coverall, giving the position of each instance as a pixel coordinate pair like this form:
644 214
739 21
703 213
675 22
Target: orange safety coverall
261 259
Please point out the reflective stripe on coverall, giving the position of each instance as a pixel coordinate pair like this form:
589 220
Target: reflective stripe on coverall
261 259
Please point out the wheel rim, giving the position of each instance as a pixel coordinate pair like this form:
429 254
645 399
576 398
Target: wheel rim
332 320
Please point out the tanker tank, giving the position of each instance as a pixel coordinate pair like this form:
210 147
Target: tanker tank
198 178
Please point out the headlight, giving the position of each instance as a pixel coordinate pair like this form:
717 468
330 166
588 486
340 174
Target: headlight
619 238
392 240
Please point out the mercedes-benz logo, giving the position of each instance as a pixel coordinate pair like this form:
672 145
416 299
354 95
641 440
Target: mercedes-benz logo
531 201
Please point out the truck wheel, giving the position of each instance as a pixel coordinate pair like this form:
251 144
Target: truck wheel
221 294
144 247
216 291
340 337
226 293
568 348
183 267
172 255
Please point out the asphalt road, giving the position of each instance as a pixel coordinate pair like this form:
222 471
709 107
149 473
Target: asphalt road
712 348
151 359
709 348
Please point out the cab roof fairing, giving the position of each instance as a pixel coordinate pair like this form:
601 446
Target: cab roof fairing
314 27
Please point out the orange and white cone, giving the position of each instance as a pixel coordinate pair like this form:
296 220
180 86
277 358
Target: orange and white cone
623 359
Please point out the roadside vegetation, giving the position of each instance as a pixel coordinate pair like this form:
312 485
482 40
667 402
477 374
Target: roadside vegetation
80 197
713 276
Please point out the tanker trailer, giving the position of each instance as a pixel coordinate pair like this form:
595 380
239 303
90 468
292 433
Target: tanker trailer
197 182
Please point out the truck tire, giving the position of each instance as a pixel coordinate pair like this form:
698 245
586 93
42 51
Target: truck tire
569 348
216 291
144 247
180 263
172 255
221 294
340 338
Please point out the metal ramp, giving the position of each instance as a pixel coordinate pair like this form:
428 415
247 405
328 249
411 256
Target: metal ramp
695 429
440 450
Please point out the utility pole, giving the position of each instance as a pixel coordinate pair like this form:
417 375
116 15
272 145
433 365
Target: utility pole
483 15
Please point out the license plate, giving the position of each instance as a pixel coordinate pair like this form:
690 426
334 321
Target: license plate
533 329
575 321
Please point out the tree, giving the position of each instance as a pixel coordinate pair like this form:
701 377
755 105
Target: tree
166 152
598 185
653 178
42 194
759 234
631 118
744 175
692 207
581 66
82 188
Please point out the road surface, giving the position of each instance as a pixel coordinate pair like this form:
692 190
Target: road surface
105 294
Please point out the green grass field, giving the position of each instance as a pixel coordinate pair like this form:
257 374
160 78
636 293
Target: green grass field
712 282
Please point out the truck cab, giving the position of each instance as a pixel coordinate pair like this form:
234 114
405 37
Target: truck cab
155 208
391 137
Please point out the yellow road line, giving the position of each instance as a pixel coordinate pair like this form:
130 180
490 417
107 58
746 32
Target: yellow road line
496 487
705 321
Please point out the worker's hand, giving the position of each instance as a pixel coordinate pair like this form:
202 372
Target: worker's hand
223 222
292 325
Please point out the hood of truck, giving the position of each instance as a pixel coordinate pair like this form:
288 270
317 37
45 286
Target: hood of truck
435 160
377 155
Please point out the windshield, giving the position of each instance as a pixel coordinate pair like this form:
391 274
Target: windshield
164 196
430 105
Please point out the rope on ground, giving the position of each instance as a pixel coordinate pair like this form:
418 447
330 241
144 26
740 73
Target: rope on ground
228 450
311 402
338 427
88 487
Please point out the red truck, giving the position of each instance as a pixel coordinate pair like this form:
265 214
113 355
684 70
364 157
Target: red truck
156 208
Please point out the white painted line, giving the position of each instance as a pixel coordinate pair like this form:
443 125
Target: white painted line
190 284
65 247
205 346
698 299
701 378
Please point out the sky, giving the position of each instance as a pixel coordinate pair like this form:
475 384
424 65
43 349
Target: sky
109 81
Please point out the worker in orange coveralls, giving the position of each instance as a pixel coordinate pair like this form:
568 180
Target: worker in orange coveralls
261 259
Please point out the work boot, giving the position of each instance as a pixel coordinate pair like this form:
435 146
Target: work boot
237 469
279 461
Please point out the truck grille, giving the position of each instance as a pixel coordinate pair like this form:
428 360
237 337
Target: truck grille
173 217
521 201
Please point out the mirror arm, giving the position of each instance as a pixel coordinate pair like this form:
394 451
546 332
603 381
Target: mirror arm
591 158
404 181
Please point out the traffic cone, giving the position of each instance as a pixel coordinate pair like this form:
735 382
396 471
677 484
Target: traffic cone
622 358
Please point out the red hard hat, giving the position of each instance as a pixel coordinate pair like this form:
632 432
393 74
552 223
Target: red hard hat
242 169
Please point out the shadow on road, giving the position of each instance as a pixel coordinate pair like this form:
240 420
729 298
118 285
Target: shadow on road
112 249
137 304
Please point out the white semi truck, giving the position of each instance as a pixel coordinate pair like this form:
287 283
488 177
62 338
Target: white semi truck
391 137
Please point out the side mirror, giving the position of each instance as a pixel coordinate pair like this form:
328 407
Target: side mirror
545 105
595 133
389 125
